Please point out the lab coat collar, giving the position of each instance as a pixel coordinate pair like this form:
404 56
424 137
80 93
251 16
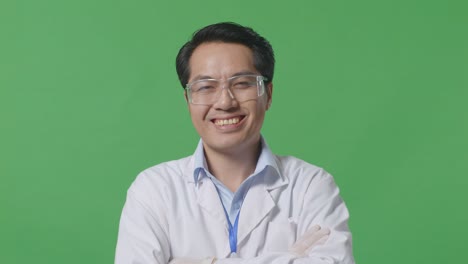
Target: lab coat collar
266 160
259 200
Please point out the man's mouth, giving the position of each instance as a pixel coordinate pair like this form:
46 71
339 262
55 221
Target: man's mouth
228 121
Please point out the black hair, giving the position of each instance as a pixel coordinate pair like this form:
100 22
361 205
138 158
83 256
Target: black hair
228 32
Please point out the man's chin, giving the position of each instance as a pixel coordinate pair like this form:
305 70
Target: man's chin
230 144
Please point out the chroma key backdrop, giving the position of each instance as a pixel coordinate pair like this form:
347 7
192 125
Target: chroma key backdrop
373 91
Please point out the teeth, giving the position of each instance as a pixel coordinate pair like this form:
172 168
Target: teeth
223 122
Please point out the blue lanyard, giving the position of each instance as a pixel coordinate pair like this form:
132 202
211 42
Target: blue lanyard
232 231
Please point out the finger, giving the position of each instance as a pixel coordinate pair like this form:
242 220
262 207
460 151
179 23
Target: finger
312 238
302 249
299 244
314 229
321 241
311 230
308 240
298 250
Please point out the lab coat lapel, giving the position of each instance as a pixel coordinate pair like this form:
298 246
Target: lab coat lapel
208 199
207 196
258 203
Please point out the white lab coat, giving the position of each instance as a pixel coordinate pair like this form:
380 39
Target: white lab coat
168 216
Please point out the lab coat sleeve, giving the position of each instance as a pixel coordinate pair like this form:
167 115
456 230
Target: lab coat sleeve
322 205
142 238
274 258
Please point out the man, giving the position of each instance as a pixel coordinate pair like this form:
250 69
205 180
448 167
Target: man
233 201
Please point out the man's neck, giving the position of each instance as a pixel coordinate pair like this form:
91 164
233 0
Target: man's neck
234 167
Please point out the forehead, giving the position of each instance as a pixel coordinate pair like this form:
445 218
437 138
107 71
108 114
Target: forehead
220 60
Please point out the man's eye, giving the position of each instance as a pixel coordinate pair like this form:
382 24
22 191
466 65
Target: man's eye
204 88
243 85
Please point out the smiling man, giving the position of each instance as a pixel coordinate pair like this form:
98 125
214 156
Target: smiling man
233 200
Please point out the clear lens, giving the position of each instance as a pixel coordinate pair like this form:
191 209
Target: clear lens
242 88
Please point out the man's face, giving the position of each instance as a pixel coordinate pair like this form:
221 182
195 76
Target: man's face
219 60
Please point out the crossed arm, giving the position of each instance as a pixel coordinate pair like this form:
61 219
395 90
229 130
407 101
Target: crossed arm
315 236
142 237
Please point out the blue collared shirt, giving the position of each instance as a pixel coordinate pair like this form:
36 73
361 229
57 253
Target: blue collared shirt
232 202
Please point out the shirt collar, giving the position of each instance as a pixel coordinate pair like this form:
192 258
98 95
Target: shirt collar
266 158
199 161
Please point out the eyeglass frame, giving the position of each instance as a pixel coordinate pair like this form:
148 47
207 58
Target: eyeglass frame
260 86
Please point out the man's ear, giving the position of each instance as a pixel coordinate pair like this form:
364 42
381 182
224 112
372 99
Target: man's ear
269 91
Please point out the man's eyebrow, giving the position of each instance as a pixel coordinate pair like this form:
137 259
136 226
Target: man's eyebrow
244 73
201 77
204 77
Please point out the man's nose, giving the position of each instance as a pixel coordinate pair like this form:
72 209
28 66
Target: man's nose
226 99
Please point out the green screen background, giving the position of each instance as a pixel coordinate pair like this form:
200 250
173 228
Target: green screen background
373 91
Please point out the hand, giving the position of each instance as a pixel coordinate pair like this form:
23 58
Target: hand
210 260
314 236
